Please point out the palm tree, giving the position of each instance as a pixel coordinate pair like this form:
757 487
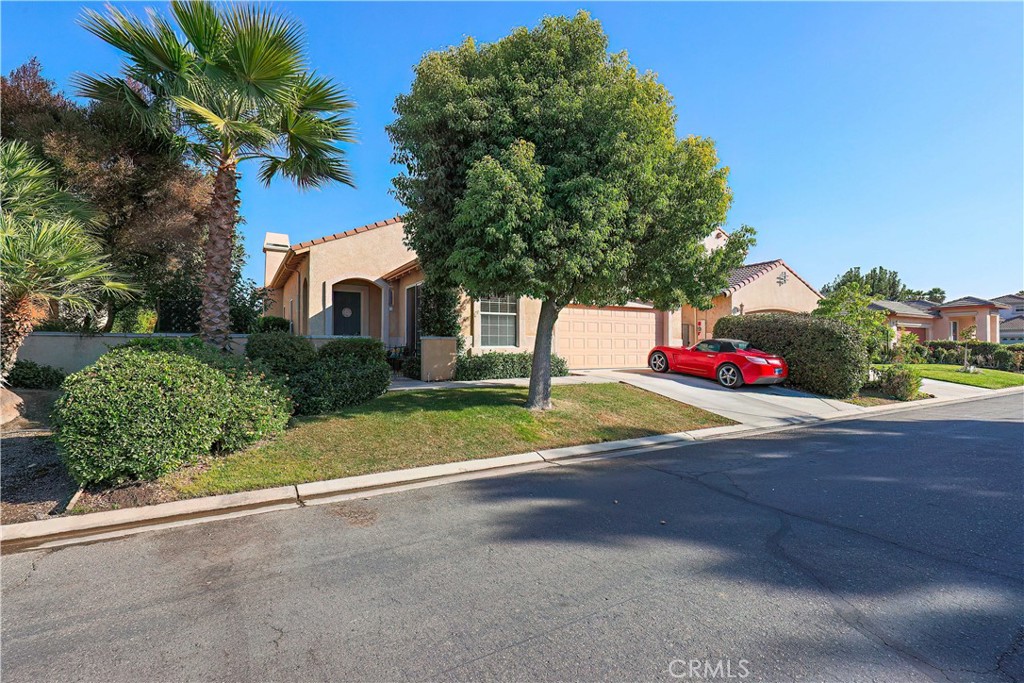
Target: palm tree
229 83
47 254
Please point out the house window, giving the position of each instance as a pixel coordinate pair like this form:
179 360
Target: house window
954 330
499 321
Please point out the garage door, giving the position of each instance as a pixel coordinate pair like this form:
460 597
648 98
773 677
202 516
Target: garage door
605 337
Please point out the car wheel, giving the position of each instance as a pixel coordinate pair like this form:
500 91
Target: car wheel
729 376
658 362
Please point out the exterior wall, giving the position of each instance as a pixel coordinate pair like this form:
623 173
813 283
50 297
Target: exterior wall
71 352
437 358
702 323
365 256
526 331
777 290
922 327
986 321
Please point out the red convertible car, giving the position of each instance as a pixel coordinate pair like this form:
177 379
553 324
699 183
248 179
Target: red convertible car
732 362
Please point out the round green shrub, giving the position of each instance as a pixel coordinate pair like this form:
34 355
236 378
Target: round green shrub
138 414
825 356
363 349
900 382
280 352
271 323
329 384
28 375
258 405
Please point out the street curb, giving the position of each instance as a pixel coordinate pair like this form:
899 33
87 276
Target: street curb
98 526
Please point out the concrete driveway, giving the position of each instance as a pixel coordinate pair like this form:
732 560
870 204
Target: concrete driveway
757 406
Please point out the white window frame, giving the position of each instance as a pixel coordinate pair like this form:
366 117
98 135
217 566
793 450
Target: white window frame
515 317
954 330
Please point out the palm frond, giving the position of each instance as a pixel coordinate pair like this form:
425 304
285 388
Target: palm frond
202 27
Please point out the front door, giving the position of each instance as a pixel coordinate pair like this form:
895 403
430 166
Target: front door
348 314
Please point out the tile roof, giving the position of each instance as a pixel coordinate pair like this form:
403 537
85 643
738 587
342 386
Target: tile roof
971 301
401 270
1014 324
900 308
922 304
749 272
347 233
1009 299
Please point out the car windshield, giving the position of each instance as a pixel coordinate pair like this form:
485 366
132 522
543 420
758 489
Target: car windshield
743 346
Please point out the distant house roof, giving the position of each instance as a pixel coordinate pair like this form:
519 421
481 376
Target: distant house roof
347 233
922 304
900 308
971 301
749 272
1014 324
1009 299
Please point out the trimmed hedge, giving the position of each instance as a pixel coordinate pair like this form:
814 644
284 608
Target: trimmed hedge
138 414
331 383
981 354
497 365
359 348
281 353
258 405
270 323
28 375
825 356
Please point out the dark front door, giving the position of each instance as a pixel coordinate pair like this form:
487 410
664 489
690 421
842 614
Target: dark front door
348 314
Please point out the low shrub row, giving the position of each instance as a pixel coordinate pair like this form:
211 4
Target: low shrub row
979 353
494 365
28 375
825 356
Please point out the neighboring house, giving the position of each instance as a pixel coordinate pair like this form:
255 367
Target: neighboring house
931 321
1011 330
1014 305
366 282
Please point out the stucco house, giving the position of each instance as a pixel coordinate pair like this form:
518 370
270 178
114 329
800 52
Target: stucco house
365 282
1014 305
931 321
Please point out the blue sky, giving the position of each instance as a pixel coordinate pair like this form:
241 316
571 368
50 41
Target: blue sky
857 134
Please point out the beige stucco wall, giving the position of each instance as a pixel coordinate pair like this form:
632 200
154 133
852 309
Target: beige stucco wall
366 256
777 290
437 358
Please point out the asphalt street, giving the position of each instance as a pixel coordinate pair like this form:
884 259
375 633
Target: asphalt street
883 549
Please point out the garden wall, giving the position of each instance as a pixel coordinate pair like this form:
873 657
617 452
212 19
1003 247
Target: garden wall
71 352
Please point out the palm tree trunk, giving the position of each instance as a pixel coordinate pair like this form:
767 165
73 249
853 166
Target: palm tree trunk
539 397
215 315
16 322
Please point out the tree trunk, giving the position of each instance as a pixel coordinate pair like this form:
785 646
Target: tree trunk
539 397
16 323
108 324
215 315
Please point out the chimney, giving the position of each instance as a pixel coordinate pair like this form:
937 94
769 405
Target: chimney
275 247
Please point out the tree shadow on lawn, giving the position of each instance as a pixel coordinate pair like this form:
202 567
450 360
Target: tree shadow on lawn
917 524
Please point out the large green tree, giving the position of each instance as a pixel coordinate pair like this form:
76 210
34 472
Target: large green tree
48 254
228 83
543 166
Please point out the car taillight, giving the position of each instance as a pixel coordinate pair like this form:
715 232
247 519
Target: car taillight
756 360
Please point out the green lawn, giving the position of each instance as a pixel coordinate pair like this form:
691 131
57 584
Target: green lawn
426 427
985 378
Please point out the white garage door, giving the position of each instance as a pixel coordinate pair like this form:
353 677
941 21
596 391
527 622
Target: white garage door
605 337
